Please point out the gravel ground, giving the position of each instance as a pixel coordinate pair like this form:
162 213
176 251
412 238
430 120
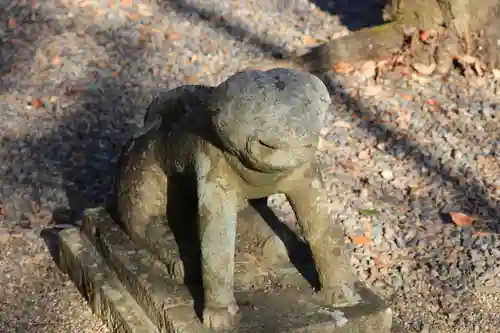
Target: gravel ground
398 156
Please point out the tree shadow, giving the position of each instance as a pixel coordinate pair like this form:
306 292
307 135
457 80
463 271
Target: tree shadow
225 26
84 145
16 44
28 25
356 14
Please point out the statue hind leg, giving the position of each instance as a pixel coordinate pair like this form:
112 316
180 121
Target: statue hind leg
139 202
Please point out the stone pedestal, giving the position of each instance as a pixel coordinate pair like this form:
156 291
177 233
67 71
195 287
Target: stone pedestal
134 292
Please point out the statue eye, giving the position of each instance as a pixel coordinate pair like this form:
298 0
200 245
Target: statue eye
267 145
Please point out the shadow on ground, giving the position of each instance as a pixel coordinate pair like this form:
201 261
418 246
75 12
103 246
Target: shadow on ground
225 26
355 14
15 48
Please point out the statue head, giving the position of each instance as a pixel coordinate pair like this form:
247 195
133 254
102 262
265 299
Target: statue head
270 119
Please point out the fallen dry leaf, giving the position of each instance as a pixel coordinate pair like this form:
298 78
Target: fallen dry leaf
461 219
488 164
172 35
11 23
329 170
379 263
56 60
192 59
134 16
342 67
431 101
309 41
481 233
191 79
360 239
102 64
37 103
14 41
424 35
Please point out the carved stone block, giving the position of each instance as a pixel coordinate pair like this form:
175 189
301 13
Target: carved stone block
134 291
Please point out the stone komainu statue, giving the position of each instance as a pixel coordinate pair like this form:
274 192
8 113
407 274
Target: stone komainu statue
254 135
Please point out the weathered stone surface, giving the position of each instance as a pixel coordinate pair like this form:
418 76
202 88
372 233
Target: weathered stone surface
100 286
123 255
134 292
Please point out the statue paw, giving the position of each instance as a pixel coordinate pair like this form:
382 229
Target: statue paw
341 295
220 318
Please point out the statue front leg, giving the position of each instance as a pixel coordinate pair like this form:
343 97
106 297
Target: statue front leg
307 196
218 205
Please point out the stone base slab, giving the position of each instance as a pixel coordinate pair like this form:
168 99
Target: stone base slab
134 292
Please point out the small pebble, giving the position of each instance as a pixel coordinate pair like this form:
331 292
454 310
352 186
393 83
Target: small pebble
387 175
